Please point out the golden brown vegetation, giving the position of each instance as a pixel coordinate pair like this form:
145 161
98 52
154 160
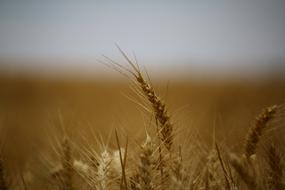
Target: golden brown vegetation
160 162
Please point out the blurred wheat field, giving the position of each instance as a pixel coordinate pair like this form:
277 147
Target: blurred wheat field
142 95
103 103
92 109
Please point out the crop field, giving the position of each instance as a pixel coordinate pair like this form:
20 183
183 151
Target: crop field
140 134
142 95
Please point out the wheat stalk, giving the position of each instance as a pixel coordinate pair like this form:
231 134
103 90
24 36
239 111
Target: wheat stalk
225 172
122 162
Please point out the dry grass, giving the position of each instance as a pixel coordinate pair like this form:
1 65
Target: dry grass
164 160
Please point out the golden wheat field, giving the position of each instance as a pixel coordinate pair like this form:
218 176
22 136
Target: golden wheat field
142 95
139 134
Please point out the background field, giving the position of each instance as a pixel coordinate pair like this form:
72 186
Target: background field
228 107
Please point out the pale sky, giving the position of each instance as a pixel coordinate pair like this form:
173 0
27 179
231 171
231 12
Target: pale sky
214 32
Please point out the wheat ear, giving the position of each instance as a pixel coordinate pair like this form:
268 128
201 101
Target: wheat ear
256 131
243 173
160 112
275 171
103 172
146 165
178 176
67 165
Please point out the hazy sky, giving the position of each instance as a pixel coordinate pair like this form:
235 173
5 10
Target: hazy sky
171 32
